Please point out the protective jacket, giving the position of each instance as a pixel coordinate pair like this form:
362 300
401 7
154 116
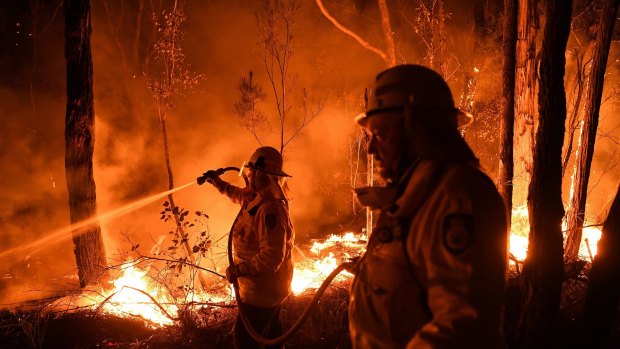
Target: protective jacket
263 238
433 273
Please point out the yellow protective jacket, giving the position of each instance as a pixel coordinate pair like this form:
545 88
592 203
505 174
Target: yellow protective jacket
263 238
433 274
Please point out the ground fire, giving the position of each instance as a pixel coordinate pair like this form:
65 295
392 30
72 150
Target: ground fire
135 293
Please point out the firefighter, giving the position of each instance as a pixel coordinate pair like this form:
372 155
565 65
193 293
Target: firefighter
263 238
433 273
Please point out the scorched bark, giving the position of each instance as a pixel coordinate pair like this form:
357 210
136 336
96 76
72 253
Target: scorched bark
506 164
575 216
79 142
542 271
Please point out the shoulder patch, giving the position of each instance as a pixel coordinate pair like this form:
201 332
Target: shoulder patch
270 220
458 232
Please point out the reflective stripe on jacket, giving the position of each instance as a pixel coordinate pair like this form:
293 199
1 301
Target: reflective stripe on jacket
446 290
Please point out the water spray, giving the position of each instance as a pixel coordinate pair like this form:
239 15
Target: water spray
244 319
60 234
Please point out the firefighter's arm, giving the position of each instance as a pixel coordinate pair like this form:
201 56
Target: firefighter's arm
464 292
272 237
236 194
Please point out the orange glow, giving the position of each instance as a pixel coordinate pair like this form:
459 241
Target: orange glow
127 298
136 294
520 231
328 254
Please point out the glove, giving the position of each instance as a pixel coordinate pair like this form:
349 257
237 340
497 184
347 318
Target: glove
209 176
232 273
351 265
200 180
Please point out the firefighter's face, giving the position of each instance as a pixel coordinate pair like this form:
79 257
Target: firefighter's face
258 180
387 144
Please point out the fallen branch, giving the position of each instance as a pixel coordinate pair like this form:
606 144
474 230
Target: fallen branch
163 310
142 259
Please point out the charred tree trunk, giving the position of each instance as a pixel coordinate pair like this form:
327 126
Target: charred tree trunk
604 287
573 117
79 137
542 272
575 215
525 102
508 113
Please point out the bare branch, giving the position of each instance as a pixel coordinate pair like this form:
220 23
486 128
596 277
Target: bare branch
347 31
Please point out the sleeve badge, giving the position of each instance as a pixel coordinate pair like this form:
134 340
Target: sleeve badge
270 220
458 233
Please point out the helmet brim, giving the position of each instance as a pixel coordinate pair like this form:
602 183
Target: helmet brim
362 119
463 118
273 173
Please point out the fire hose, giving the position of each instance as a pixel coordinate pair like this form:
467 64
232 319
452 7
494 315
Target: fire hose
304 315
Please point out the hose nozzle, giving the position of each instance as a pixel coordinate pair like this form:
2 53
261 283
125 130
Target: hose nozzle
211 174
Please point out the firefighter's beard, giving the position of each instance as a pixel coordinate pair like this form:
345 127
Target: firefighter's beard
388 172
381 169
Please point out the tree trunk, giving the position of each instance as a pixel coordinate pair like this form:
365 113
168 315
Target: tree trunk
79 137
508 88
604 287
576 212
474 61
441 31
390 51
163 107
525 102
573 116
542 272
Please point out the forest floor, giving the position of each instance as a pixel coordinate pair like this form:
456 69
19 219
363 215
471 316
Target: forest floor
209 327
327 326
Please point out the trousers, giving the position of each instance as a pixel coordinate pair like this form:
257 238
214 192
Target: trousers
265 321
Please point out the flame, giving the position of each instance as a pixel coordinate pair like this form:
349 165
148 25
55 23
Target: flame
310 273
520 231
589 238
134 293
129 297
348 240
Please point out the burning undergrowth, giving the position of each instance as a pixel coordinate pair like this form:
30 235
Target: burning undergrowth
153 297
155 300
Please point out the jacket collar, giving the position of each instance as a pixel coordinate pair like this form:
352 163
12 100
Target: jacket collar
418 185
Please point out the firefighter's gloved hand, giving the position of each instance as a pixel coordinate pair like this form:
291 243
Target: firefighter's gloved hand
351 265
210 176
232 273
200 180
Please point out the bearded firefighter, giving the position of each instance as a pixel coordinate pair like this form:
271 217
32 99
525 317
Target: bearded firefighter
433 273
263 238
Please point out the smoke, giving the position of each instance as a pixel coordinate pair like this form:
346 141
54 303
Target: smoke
203 131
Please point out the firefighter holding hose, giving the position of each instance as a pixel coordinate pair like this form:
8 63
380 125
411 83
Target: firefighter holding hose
433 273
263 238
